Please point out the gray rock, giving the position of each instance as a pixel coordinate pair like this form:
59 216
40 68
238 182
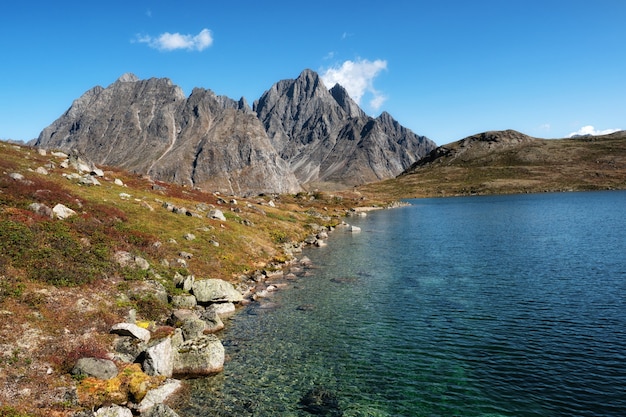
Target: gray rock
212 320
128 329
199 357
17 176
88 180
216 214
222 309
95 367
41 209
192 328
215 291
141 263
128 348
184 301
159 358
152 404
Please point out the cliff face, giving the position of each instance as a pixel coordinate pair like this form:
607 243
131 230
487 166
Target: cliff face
326 138
299 133
149 127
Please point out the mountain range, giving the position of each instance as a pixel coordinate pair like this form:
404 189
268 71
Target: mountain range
298 134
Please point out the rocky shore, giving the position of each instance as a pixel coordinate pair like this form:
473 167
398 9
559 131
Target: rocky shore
114 287
151 361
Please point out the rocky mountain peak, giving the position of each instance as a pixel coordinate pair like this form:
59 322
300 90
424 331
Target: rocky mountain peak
345 102
328 140
128 77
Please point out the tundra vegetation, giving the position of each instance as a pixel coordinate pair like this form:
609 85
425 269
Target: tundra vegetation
61 287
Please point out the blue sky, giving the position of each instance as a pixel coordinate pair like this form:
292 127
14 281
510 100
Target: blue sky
443 68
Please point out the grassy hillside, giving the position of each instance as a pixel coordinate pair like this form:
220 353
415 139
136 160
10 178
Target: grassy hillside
509 162
60 288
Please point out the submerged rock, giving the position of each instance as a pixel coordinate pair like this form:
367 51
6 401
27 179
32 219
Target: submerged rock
321 402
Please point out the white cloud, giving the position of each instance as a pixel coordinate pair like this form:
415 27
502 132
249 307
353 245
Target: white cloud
590 130
171 41
358 79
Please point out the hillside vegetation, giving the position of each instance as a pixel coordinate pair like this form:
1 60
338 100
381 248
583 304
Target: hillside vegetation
508 162
61 288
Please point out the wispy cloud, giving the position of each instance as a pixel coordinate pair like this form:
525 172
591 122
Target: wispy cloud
172 41
357 77
590 130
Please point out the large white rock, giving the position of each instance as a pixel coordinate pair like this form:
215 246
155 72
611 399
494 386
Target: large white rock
215 291
159 395
62 212
199 357
159 358
216 214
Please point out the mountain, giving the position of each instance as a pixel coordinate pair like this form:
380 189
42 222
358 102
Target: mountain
504 162
150 127
300 133
327 139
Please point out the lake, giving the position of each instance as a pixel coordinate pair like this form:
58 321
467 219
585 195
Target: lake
470 306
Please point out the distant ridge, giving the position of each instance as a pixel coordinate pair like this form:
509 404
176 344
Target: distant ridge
299 134
505 162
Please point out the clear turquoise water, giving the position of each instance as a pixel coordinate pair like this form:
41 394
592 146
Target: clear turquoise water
474 306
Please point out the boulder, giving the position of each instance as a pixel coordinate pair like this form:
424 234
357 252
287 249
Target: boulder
215 291
88 180
159 358
222 309
128 329
152 404
142 263
17 176
41 209
199 357
62 212
128 348
95 367
216 214
184 301
193 328
213 322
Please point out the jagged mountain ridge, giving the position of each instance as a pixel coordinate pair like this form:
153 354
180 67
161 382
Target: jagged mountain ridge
327 138
150 127
304 134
